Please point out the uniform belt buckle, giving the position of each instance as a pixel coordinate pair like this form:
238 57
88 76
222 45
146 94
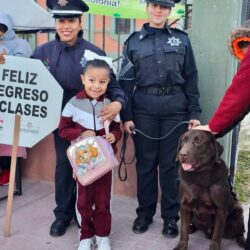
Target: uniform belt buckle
164 91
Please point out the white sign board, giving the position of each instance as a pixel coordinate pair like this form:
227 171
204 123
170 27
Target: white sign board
27 88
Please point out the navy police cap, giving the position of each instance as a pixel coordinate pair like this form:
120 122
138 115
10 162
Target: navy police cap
67 8
167 3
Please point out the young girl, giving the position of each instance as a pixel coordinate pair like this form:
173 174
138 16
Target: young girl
81 117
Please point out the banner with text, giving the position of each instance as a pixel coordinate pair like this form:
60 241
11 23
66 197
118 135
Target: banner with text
127 8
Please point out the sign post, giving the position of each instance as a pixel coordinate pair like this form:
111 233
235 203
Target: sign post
30 109
12 177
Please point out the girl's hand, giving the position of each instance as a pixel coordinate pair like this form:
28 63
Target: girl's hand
110 111
88 133
109 137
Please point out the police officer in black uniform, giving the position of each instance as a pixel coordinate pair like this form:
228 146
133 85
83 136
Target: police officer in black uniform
64 59
159 77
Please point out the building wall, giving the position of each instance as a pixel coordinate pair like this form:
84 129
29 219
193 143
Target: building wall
216 66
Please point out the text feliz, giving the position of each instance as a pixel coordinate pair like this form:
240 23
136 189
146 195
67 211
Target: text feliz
25 91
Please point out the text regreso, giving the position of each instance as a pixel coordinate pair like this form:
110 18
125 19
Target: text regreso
30 101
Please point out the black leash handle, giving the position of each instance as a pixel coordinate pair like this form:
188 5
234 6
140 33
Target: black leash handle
123 161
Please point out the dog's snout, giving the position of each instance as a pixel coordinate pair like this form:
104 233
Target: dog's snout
183 152
183 155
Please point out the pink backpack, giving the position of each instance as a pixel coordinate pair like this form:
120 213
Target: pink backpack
91 158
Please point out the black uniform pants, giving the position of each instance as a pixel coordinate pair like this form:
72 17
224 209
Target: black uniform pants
65 187
150 155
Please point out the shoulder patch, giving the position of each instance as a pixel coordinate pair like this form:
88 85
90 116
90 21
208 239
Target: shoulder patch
131 35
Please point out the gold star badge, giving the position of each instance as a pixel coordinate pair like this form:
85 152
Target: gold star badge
63 2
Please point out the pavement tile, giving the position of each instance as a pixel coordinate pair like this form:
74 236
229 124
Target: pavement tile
32 216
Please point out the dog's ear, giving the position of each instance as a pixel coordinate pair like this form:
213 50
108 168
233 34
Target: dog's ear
178 147
219 150
220 147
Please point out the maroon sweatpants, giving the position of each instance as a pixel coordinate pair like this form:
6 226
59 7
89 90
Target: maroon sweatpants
93 204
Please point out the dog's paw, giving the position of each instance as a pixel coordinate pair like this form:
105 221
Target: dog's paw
214 246
182 245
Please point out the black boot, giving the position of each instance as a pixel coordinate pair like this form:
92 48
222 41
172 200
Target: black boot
58 227
141 224
170 229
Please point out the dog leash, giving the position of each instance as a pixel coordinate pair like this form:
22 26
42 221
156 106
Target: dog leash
134 129
124 147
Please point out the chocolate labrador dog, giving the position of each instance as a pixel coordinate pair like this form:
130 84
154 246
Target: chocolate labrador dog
206 197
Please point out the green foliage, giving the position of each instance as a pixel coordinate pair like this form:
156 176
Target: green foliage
244 139
242 178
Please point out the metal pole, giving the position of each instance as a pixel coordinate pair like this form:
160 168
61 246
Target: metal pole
118 40
134 25
103 32
186 16
245 10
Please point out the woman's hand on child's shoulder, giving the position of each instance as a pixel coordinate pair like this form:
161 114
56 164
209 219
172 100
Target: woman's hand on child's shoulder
109 137
110 111
88 133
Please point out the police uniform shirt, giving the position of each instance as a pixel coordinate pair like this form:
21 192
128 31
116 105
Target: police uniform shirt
160 58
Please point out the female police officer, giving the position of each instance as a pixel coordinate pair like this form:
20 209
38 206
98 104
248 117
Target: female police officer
64 59
159 76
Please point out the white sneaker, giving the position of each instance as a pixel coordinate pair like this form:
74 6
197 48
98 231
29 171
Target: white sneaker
103 243
85 244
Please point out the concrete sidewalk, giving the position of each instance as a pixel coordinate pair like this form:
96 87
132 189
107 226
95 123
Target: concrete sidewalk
32 216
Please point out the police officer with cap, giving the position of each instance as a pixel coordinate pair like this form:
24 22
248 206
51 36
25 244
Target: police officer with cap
166 3
67 8
159 77
64 58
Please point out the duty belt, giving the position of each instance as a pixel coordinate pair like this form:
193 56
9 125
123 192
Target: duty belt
168 90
